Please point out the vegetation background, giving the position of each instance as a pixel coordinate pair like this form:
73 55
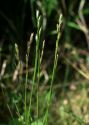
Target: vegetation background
70 90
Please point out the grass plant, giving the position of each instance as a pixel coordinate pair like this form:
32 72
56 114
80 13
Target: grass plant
27 118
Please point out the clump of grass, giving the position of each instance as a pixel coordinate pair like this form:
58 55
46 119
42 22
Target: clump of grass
26 118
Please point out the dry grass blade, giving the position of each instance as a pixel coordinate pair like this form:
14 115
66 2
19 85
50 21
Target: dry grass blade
3 68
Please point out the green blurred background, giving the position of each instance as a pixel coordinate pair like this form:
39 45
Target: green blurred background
17 22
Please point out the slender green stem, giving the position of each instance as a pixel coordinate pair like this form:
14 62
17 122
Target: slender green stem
36 63
53 72
25 108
